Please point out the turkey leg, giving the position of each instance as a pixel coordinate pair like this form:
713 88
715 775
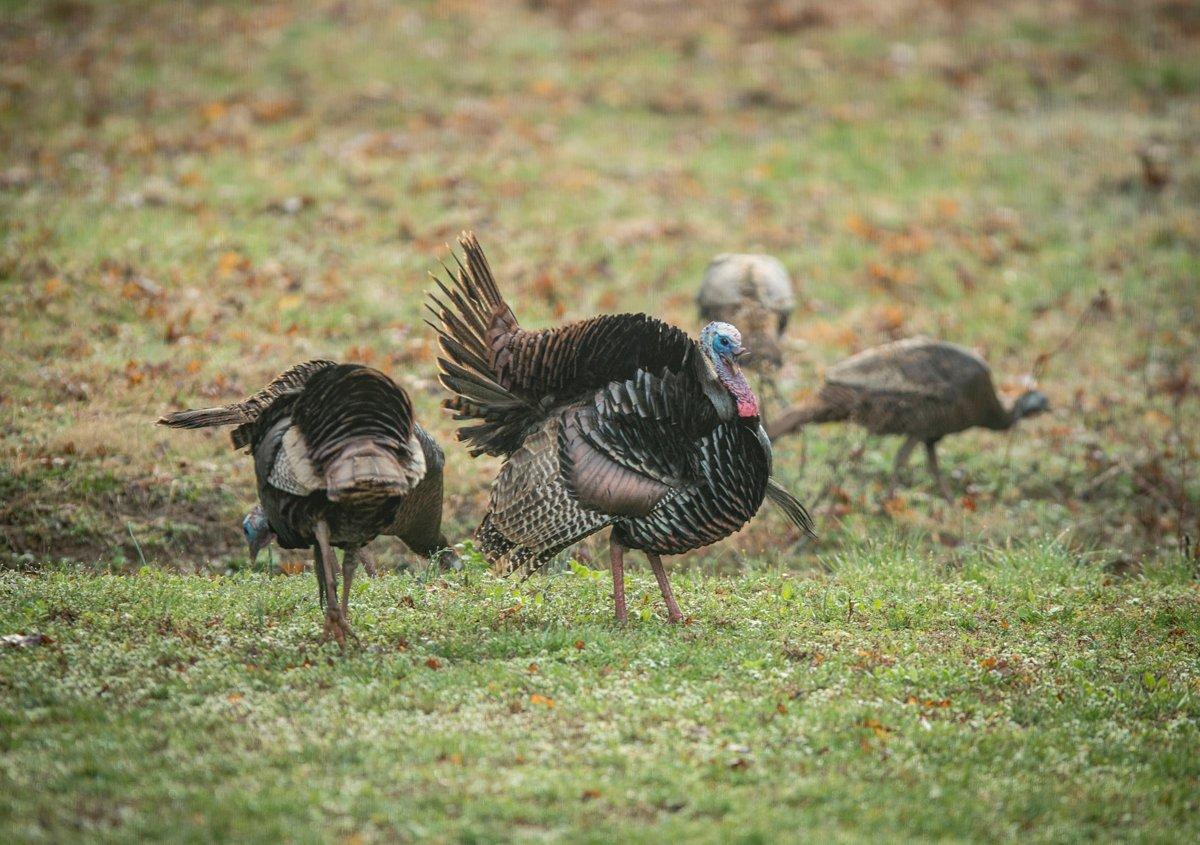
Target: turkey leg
368 562
334 624
931 455
349 564
319 569
673 614
901 460
617 556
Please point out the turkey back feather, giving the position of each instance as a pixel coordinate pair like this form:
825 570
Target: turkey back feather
356 429
508 380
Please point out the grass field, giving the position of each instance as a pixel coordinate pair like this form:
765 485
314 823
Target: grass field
194 197
1023 695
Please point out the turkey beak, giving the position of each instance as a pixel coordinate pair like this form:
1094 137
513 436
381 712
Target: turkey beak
738 354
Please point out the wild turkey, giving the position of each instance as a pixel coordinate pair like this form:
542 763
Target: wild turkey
921 388
620 420
339 460
754 293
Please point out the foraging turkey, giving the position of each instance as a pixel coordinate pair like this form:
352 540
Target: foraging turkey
919 387
754 293
620 420
339 460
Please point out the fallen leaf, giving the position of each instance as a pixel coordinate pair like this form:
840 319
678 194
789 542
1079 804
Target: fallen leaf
230 262
214 111
275 109
544 701
876 727
433 663
133 373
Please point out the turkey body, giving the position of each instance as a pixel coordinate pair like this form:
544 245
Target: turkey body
920 388
564 483
338 460
354 520
620 420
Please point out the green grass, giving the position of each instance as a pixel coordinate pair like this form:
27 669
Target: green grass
1023 694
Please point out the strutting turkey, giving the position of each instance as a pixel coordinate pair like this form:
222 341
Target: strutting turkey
619 420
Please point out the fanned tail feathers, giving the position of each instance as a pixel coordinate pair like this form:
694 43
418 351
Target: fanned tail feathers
470 314
790 506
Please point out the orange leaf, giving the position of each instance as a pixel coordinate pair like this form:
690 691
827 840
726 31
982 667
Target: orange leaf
230 262
546 702
214 111
948 207
433 663
860 227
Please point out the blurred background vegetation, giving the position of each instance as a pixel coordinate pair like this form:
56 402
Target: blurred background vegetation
193 197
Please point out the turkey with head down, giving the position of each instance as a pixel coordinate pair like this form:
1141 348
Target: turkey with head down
620 420
339 460
921 388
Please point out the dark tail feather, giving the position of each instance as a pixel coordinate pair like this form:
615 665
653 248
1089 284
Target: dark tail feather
791 507
205 417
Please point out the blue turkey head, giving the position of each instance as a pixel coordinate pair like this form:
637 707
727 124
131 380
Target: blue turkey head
257 532
721 344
